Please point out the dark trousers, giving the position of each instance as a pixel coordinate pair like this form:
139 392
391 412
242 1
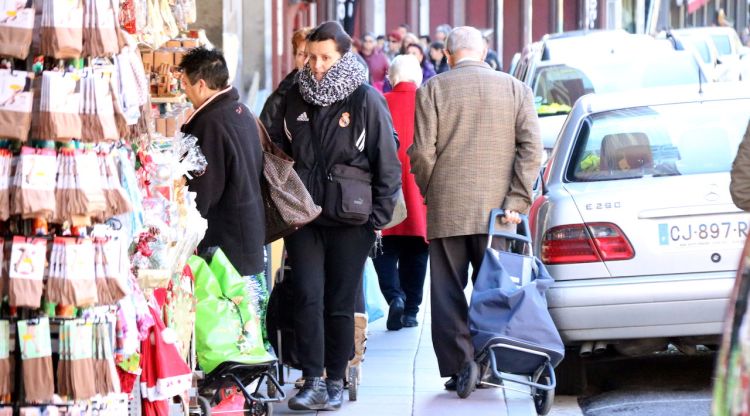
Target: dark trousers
449 272
401 270
328 263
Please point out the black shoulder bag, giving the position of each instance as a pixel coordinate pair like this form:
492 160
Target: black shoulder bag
348 190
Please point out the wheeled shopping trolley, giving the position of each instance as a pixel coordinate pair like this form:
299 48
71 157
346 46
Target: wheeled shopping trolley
511 328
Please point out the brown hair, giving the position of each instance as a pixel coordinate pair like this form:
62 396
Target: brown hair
299 36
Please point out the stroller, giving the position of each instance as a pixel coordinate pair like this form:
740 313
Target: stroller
511 328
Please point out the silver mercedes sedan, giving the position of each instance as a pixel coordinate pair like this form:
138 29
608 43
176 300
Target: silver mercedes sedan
635 221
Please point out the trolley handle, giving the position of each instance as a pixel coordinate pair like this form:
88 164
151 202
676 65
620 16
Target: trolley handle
524 236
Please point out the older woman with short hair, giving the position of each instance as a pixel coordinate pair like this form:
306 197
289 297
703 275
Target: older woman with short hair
403 264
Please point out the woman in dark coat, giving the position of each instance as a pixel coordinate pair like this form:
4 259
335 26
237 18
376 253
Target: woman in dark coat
340 134
402 265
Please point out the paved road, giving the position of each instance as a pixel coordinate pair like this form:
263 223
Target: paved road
662 385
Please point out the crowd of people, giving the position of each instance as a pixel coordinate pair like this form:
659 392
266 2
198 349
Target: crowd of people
369 131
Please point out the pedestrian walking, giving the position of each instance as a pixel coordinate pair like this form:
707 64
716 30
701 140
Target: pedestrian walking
428 71
376 61
476 147
228 192
338 130
273 110
402 265
438 58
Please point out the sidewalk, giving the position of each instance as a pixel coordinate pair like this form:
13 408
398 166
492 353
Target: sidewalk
400 377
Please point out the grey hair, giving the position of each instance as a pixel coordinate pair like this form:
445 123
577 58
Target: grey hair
445 28
465 37
405 68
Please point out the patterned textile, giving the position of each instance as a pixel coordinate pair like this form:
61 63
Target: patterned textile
341 80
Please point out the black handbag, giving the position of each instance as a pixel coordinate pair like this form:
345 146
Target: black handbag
288 205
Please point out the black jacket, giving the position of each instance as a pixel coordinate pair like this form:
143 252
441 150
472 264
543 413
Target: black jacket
273 110
356 131
229 191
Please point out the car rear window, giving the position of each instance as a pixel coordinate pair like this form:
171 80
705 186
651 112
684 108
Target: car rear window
667 140
557 88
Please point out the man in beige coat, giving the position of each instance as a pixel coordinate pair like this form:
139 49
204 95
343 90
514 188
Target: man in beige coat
476 147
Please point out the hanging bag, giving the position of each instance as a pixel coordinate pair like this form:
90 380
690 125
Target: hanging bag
288 205
62 29
16 27
27 272
36 353
16 102
5 377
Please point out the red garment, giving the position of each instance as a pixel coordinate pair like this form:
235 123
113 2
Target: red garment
163 372
402 103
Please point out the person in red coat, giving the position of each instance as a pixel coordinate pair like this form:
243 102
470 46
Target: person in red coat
403 263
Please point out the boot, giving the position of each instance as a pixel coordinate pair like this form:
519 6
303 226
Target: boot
312 396
395 313
360 338
335 393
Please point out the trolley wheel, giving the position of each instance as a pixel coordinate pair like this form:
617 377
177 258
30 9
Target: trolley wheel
353 383
467 379
543 399
259 409
203 405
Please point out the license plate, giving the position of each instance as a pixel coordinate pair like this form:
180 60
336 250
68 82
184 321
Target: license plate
697 233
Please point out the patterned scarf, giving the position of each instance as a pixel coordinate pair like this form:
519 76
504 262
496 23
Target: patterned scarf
341 80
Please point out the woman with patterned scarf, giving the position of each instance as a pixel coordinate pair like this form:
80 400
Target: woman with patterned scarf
340 134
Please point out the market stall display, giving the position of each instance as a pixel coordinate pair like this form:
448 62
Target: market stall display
96 224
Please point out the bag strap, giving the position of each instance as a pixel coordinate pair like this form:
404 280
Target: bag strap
267 145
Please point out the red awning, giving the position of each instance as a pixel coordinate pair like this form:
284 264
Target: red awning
693 5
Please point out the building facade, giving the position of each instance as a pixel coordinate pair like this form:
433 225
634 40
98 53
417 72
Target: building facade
262 29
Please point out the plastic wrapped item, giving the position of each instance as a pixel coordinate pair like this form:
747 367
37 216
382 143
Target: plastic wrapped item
5 365
16 27
6 160
26 272
188 156
62 29
60 107
16 103
36 353
33 188
100 28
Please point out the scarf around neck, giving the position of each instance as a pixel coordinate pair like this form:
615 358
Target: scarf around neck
342 79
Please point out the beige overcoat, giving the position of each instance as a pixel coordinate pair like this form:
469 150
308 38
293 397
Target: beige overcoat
476 147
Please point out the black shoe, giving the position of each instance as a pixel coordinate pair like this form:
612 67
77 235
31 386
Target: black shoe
450 385
312 396
409 321
395 312
335 393
467 379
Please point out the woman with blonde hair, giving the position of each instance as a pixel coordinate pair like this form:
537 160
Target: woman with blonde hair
403 263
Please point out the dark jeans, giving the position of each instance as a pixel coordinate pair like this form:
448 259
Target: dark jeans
328 263
401 270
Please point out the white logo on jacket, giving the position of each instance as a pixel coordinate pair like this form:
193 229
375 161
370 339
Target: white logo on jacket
303 117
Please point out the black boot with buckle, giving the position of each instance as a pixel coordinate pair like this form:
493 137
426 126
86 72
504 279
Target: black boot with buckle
312 396
335 393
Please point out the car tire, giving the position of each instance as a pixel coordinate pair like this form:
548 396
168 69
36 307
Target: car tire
571 374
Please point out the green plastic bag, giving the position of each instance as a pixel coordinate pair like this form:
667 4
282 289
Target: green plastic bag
226 328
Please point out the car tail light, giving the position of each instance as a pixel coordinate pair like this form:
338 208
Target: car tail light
585 243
